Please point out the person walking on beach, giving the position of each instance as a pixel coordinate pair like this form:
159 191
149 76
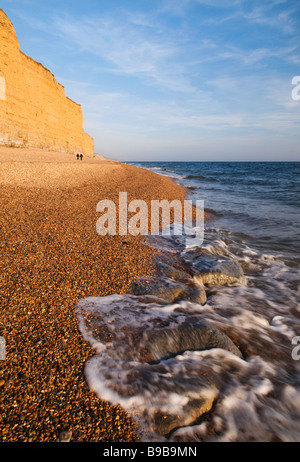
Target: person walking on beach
77 155
81 156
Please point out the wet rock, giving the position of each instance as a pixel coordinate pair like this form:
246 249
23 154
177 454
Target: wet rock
165 423
218 271
195 293
172 272
168 342
191 392
166 289
151 299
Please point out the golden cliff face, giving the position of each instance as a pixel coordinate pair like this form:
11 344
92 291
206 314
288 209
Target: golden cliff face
34 110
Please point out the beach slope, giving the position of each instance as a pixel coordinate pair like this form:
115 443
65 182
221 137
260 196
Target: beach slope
52 256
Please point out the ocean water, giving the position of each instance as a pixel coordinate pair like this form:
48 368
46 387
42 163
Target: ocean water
255 221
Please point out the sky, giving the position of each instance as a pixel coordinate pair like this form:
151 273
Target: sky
174 80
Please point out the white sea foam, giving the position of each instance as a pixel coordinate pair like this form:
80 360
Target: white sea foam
245 409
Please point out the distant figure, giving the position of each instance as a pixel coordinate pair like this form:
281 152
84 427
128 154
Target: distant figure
77 155
81 156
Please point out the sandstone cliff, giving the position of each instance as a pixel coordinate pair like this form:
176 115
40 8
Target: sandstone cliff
34 110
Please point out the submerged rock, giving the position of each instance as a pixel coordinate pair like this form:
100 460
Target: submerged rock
201 402
201 387
168 342
179 391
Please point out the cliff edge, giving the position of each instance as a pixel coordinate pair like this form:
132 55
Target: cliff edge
34 110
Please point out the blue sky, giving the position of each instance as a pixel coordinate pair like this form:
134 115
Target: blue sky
173 79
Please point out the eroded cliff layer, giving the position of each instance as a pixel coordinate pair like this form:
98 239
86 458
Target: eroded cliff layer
34 110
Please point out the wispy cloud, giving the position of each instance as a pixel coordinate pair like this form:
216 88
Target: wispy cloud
280 15
257 55
266 15
131 45
219 3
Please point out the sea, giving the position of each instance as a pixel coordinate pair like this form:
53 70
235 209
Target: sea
254 210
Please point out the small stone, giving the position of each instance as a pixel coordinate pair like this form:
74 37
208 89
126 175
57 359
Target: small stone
2 382
65 436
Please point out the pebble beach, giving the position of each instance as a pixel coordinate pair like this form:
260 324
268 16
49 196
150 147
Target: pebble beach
51 257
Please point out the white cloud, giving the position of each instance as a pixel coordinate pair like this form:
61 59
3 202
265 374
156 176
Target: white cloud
220 3
132 46
263 15
257 55
267 13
